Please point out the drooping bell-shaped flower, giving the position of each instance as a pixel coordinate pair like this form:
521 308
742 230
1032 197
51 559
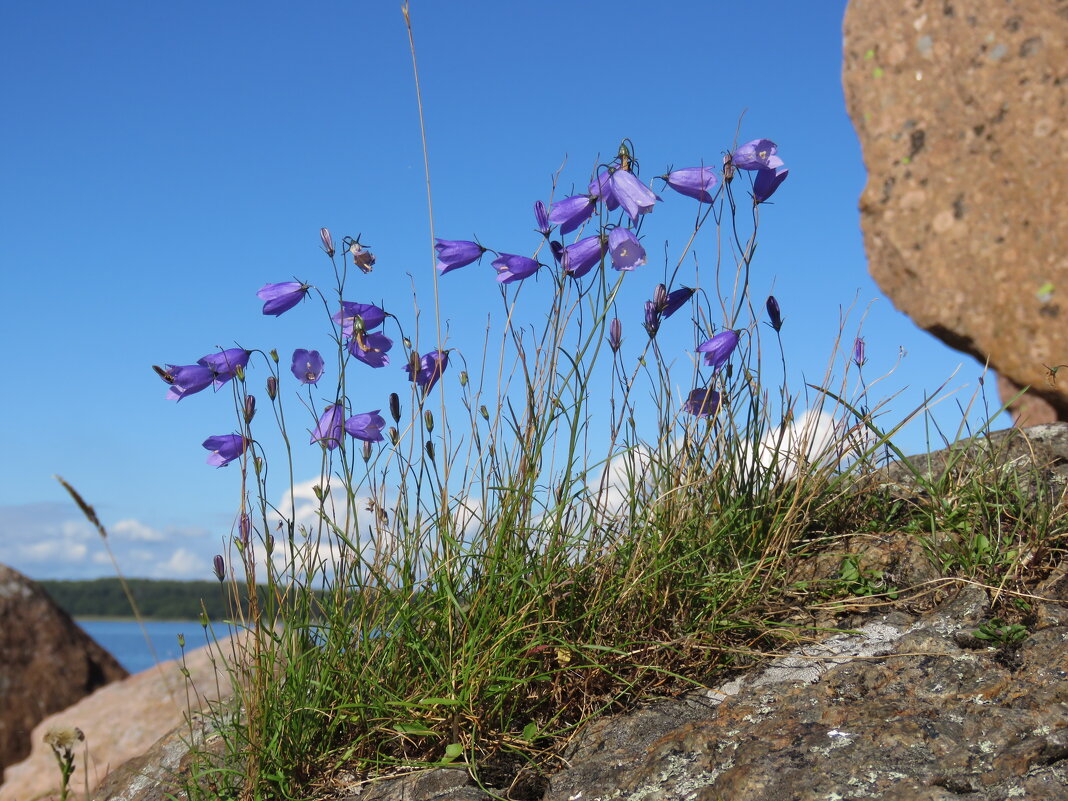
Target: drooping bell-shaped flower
329 428
702 402
571 212
695 182
634 196
185 379
774 313
757 155
371 349
364 316
225 364
511 268
367 426
279 298
601 186
307 366
425 372
767 181
627 252
224 448
581 257
676 299
718 349
542 217
453 253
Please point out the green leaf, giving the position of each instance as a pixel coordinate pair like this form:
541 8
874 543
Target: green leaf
453 750
530 731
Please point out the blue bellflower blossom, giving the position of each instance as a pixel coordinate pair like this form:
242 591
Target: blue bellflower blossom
702 402
581 257
328 429
186 379
371 349
453 253
425 372
225 364
695 182
676 299
767 181
634 196
280 298
571 212
225 448
601 187
369 315
858 352
652 318
511 268
307 366
757 155
627 252
719 349
367 426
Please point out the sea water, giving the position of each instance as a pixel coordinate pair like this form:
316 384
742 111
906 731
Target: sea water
125 640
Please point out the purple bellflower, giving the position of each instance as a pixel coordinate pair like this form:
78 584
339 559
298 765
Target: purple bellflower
219 566
767 181
718 349
329 428
225 448
557 249
279 298
858 352
652 318
695 182
634 196
367 426
757 155
225 364
511 268
542 216
453 254
627 252
371 348
702 402
370 317
328 241
307 366
425 372
615 334
571 212
185 379
581 257
774 314
601 186
676 299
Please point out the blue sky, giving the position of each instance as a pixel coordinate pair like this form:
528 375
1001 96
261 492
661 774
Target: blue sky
159 163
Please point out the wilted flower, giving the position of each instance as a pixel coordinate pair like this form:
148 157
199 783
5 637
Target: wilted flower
757 155
774 314
225 364
279 298
571 212
767 181
511 268
369 316
718 349
581 257
455 253
544 226
627 252
307 366
858 352
224 448
634 196
601 186
652 318
219 566
426 371
328 241
371 348
676 299
702 402
367 426
328 430
185 379
695 182
362 257
615 334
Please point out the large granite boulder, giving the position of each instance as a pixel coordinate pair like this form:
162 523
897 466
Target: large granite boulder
962 111
46 662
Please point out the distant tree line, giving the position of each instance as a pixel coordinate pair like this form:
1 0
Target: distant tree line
156 600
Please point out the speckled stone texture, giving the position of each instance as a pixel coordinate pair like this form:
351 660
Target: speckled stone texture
961 107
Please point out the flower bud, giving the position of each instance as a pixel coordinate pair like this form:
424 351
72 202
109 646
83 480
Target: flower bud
615 334
366 451
728 169
652 318
258 464
181 640
430 450
428 420
394 435
220 567
413 366
463 378
318 490
774 313
858 352
239 372
328 241
394 406
660 298
250 408
274 355
272 387
270 544
484 412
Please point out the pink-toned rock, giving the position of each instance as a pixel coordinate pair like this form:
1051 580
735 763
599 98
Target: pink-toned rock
962 111
120 721
46 662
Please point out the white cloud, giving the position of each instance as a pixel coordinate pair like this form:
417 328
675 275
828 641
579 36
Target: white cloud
131 529
184 564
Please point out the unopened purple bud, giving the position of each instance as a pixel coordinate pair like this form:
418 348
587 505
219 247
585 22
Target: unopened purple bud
394 435
220 567
244 529
394 406
430 450
328 241
652 318
272 387
615 334
542 216
250 408
774 314
858 352
660 296
366 451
